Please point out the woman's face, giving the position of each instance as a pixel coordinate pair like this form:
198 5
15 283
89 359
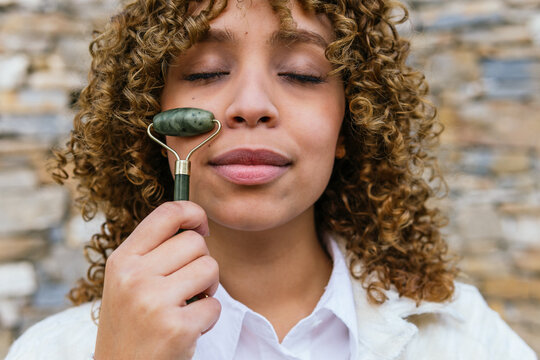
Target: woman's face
281 115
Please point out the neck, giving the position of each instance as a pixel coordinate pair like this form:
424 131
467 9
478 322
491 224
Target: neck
278 268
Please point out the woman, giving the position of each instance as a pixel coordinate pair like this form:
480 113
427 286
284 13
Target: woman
308 232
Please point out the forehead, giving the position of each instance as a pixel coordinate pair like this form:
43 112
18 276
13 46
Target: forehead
258 15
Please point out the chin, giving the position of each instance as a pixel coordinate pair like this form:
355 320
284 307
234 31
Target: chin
250 219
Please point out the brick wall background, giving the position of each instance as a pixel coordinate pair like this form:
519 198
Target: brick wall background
482 59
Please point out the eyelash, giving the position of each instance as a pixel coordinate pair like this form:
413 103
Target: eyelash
303 78
205 76
293 77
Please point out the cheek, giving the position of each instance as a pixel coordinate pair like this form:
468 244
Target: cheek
321 118
318 132
317 140
317 136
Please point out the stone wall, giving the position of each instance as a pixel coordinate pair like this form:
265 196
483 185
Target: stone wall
482 59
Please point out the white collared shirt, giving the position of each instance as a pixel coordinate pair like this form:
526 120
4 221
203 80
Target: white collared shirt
463 328
329 332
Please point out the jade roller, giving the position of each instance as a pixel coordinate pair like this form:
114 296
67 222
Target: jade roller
183 122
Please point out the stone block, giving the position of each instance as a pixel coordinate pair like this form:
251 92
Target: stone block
36 210
517 52
487 266
63 265
54 62
447 116
31 315
449 157
22 146
499 122
10 312
534 26
34 101
498 306
460 14
423 43
95 12
17 279
518 15
479 198
511 162
454 241
509 79
478 222
477 161
6 339
533 4
520 225
31 4
51 295
75 53
520 181
18 43
17 179
53 80
43 24
21 247
526 313
529 334
13 70
462 93
512 288
465 182
499 36
40 62
41 161
79 231
45 126
480 246
450 69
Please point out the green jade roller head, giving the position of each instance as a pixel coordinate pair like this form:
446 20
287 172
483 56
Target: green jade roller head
183 122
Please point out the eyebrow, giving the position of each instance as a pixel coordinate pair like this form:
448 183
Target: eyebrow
291 37
278 38
218 35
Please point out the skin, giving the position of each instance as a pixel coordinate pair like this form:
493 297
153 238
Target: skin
263 246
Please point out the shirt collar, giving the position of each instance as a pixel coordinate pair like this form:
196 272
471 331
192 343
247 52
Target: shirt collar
383 330
337 298
376 332
227 329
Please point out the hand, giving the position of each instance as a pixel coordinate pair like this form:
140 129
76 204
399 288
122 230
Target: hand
148 279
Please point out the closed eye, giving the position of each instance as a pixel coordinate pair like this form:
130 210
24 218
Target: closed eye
293 77
205 76
302 78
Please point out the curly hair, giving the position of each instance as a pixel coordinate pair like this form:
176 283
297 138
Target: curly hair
377 195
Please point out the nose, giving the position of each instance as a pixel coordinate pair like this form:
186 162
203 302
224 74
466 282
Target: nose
251 102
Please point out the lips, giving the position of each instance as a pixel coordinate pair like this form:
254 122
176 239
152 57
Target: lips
250 167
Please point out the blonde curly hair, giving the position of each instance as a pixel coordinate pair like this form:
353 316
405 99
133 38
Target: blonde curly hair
377 195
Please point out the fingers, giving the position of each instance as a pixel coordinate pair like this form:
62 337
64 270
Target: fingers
199 276
163 223
201 315
176 252
148 279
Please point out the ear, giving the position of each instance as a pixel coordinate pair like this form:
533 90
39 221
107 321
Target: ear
340 148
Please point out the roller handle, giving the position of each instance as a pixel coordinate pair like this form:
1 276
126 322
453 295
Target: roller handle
181 192
181 187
